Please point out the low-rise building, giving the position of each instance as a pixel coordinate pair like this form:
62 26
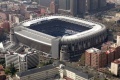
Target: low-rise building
73 74
39 73
52 72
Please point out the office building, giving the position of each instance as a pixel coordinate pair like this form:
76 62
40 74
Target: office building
73 7
81 8
64 4
93 5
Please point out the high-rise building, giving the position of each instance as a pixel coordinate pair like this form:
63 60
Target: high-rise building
64 4
81 7
93 5
73 7
45 3
52 7
87 5
102 3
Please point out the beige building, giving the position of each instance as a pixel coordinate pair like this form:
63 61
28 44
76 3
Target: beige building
118 40
72 74
117 15
115 67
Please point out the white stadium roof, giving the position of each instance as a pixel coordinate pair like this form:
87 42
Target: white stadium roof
44 38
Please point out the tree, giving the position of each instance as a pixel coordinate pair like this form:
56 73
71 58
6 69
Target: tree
11 70
7 71
50 61
82 60
2 61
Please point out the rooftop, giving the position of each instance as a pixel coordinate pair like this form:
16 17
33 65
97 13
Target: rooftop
79 73
36 70
32 71
2 70
117 61
93 50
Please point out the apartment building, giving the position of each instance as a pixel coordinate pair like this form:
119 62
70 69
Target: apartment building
100 58
115 67
95 58
22 61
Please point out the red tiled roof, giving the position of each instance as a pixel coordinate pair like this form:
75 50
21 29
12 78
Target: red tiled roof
1 67
117 61
67 78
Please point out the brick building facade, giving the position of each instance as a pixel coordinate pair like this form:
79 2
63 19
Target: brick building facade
95 58
100 58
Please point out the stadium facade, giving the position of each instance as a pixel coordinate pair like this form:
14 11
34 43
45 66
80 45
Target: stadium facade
64 37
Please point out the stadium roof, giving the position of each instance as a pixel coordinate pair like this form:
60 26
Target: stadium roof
46 39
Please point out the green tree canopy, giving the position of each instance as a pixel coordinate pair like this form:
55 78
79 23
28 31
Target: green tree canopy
11 70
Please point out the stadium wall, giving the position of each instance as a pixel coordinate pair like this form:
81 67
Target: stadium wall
74 48
33 44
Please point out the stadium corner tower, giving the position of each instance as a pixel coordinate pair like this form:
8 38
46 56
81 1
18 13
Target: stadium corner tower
64 37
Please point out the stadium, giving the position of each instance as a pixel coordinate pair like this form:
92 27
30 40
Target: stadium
63 37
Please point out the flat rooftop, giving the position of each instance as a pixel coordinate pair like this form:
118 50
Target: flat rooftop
93 50
117 61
